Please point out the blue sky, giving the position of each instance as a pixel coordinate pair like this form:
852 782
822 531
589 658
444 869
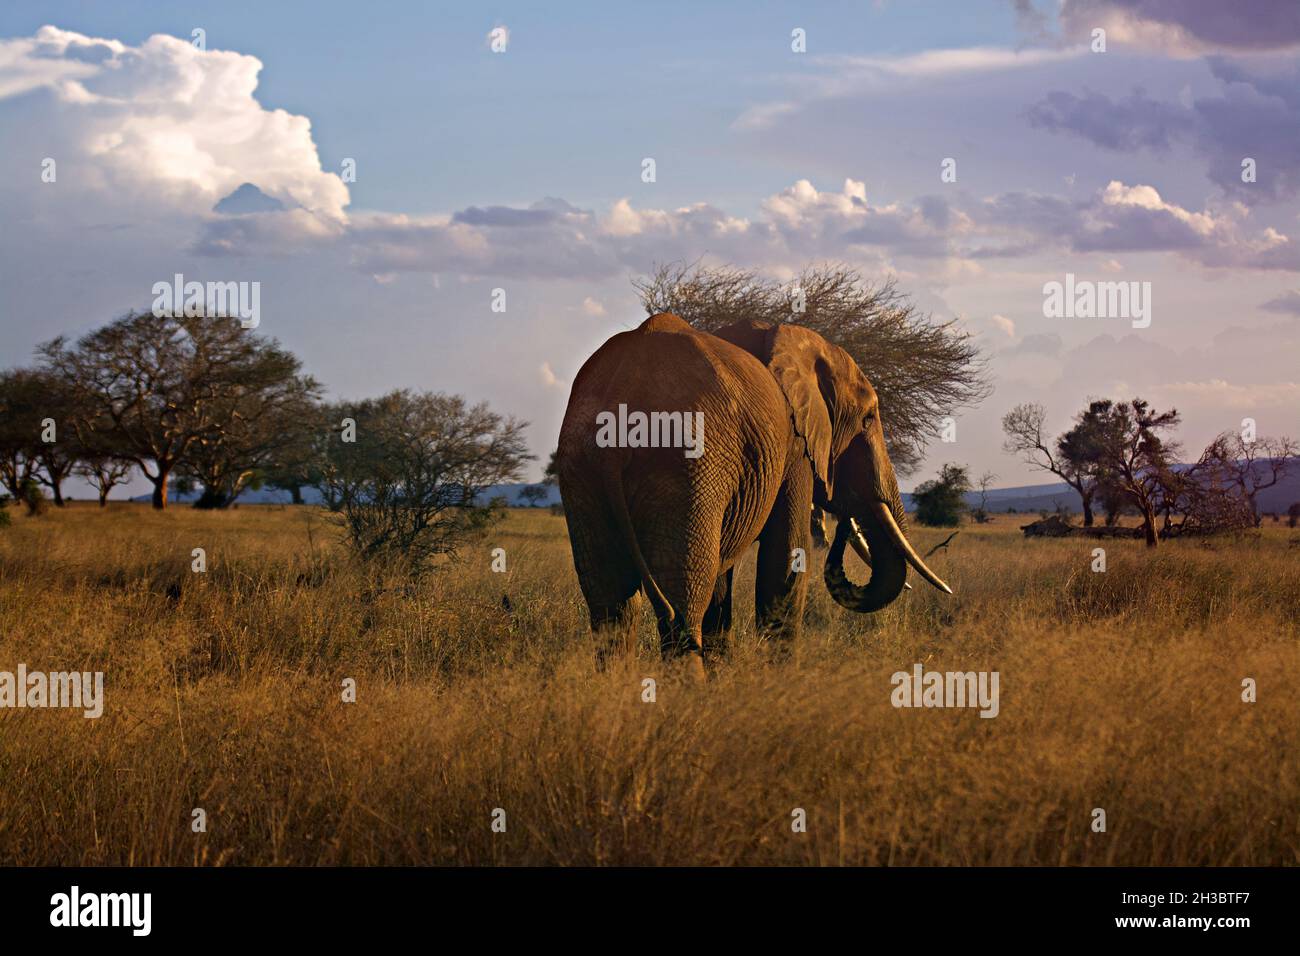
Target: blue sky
521 170
444 126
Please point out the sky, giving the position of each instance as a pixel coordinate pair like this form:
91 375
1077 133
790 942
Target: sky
521 169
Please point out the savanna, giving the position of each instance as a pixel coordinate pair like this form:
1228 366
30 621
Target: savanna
477 701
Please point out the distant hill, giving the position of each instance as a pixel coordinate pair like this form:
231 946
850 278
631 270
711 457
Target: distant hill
1035 498
1024 498
272 496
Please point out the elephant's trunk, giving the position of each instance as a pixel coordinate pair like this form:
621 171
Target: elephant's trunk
891 554
859 545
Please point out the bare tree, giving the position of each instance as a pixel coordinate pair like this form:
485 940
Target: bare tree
922 370
1204 497
1252 466
981 514
1023 426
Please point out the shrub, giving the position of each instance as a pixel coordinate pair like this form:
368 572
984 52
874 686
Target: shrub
940 502
408 485
34 498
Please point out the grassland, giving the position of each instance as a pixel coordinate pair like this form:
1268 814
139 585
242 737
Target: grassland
1119 690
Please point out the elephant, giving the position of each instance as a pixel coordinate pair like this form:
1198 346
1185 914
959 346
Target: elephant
784 421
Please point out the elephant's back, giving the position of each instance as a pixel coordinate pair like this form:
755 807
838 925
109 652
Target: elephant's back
713 489
666 365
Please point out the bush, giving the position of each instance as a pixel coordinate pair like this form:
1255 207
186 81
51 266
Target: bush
940 502
408 483
34 498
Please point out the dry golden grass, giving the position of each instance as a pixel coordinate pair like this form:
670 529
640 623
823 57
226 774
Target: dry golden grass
1120 690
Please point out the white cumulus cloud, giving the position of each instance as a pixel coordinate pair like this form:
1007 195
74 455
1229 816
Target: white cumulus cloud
164 124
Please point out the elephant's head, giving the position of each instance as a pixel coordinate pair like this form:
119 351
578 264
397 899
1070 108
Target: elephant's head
835 410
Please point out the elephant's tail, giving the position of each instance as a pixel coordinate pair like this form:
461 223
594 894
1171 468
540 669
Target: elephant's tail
618 501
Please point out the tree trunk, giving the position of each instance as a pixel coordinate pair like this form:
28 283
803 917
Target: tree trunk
103 497
295 495
160 489
212 498
56 493
1087 510
1149 526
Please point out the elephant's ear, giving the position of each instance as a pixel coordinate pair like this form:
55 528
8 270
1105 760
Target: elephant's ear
798 361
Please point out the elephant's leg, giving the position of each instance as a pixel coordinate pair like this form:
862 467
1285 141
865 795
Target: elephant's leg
717 618
781 590
614 627
607 575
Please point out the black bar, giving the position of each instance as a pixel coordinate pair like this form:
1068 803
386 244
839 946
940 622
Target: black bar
335 905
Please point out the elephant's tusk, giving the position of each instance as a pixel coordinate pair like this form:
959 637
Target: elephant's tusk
881 513
860 547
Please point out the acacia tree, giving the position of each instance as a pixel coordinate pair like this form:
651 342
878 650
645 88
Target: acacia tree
18 431
37 422
922 370
165 383
1068 457
56 452
98 458
1111 500
270 409
104 473
408 484
1124 440
296 461
533 495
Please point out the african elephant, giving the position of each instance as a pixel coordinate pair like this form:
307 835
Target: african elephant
781 419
